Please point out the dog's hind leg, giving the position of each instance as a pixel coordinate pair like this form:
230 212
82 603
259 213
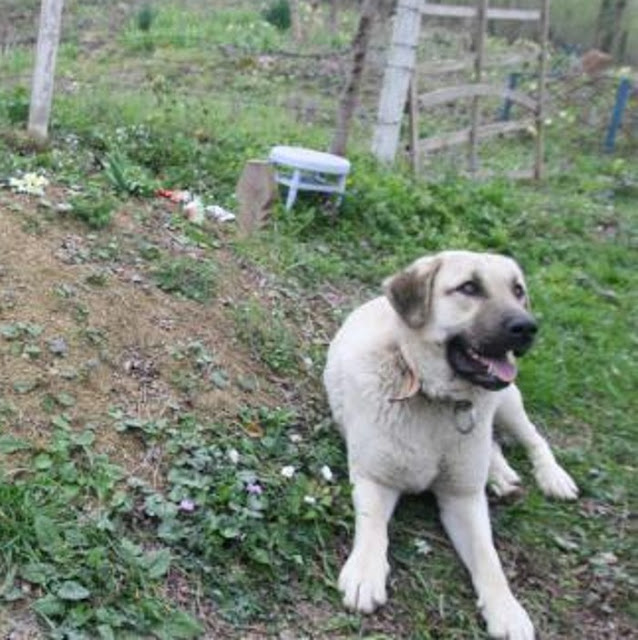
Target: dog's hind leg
363 577
553 480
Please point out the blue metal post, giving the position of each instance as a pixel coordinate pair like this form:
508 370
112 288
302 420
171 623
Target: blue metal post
622 97
512 82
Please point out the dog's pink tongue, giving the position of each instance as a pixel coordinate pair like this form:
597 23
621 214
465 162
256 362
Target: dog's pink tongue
502 369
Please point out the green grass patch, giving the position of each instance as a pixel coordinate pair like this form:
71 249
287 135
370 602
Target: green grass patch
192 278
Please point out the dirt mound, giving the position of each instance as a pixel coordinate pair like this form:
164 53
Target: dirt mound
85 332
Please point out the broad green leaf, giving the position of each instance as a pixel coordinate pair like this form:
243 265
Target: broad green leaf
49 606
37 572
9 331
179 626
65 399
47 534
24 386
34 330
72 590
84 439
157 562
43 461
106 632
61 422
10 444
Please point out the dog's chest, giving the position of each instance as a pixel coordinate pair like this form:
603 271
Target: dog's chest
428 442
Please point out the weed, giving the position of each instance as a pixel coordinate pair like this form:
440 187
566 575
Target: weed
93 208
125 177
267 335
194 279
260 504
71 560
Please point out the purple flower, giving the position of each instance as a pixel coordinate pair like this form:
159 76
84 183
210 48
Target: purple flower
187 505
254 488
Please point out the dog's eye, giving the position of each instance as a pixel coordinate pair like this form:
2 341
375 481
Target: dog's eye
519 291
470 288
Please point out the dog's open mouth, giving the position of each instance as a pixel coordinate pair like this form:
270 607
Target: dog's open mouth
491 372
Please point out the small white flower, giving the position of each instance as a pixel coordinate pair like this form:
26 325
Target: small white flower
310 500
233 456
30 183
326 473
422 546
295 438
288 471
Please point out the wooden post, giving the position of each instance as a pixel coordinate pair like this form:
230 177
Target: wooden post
44 70
295 20
396 79
332 18
542 73
414 125
481 26
256 192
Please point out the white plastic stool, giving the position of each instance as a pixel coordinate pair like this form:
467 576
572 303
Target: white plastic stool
304 169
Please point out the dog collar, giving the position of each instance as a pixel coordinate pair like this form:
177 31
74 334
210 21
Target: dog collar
412 386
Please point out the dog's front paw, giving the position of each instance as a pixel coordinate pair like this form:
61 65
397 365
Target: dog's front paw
555 482
506 618
362 582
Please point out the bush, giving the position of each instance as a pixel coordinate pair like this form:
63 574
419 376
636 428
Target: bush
16 106
278 14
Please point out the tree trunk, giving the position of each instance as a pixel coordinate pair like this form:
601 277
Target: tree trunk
352 90
609 25
44 69
619 14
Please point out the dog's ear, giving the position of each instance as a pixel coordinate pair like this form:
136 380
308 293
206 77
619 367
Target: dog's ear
410 291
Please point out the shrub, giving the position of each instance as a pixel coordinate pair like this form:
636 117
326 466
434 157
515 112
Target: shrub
278 14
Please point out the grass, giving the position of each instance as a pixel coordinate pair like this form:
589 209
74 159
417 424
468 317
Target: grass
142 491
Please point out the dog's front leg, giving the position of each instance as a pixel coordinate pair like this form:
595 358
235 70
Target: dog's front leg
363 577
466 519
553 480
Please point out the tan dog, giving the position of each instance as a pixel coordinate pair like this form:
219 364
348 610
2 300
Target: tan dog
415 380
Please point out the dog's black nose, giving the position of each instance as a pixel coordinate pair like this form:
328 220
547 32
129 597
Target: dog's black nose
521 329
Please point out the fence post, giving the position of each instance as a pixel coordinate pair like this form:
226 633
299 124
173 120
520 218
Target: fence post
44 69
540 111
396 79
481 26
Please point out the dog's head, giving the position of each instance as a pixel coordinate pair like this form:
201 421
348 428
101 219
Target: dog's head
475 305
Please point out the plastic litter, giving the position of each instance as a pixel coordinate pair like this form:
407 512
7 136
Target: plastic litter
193 207
215 212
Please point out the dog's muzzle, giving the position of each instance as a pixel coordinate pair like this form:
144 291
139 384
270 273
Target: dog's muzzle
489 362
